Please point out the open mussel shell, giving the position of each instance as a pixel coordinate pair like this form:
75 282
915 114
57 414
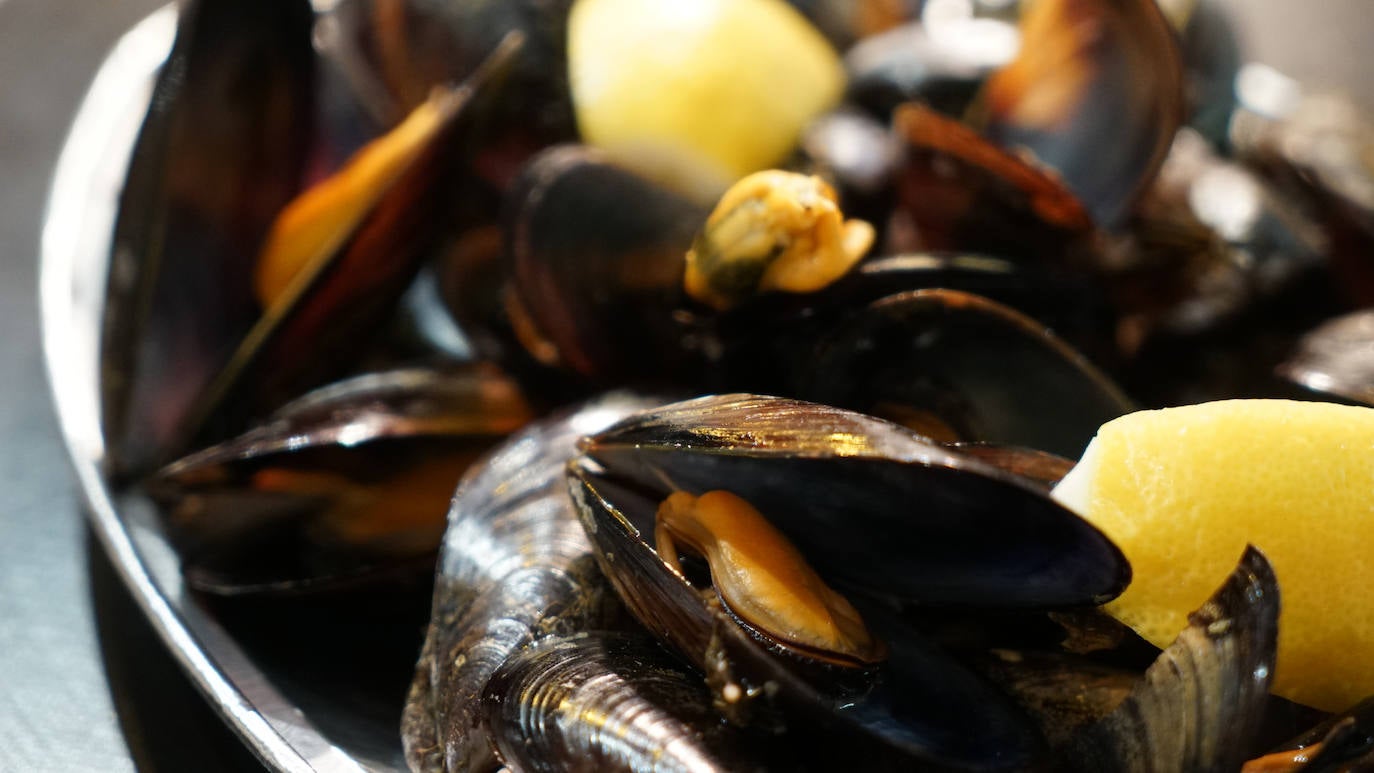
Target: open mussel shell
1096 94
876 510
1201 704
327 313
597 255
515 565
221 150
344 486
954 530
357 267
956 190
919 707
960 367
397 51
610 702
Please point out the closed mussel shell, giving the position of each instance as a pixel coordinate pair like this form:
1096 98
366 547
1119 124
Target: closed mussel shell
222 149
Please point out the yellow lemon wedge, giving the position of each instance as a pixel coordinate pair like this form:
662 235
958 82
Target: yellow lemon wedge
697 94
1182 491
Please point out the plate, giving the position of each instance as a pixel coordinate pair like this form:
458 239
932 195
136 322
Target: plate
307 687
284 679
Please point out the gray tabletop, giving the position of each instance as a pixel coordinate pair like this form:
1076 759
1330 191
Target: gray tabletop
84 683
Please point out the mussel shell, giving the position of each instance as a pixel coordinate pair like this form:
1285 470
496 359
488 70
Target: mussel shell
322 324
389 446
1028 463
1065 693
405 48
942 66
1071 303
769 345
958 191
954 530
608 701
221 151
1202 702
979 368
597 256
918 708
474 400
1114 94
515 565
381 519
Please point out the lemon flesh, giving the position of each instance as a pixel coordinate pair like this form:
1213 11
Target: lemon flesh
1182 491
697 94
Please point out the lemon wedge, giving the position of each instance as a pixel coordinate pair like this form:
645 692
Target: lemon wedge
697 94
1183 490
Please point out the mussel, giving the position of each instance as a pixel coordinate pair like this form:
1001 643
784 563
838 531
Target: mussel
514 566
1089 70
342 487
614 701
182 371
876 510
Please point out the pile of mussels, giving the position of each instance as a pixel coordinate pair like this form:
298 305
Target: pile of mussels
359 247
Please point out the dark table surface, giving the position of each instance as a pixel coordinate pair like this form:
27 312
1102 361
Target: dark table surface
85 685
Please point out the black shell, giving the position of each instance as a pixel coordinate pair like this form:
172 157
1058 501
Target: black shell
1201 704
222 149
992 373
364 470
608 702
954 529
878 511
920 707
597 255
514 566
1124 75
